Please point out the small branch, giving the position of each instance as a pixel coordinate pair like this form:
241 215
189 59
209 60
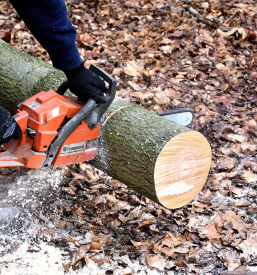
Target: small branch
13 262
115 230
173 83
160 7
201 18
253 101
8 18
85 208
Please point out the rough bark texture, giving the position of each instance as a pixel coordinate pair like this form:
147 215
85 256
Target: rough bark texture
131 141
22 76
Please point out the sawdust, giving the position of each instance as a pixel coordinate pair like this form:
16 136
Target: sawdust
44 259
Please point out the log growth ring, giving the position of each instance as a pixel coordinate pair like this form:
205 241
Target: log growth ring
181 169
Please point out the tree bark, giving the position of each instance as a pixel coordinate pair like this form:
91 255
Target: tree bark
22 76
159 159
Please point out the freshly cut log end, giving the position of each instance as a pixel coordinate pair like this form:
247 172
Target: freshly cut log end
181 169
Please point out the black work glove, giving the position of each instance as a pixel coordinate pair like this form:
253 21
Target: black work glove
86 84
9 128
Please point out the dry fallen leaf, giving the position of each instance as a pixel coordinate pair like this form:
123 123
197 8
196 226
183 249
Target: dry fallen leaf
146 223
132 69
95 245
249 176
156 261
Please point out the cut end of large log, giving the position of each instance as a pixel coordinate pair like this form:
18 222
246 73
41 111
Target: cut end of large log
181 169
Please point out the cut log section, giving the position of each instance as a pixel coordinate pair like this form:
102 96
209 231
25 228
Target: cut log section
159 159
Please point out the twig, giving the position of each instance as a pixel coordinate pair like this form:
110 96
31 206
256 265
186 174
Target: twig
8 18
241 93
115 230
231 18
253 261
12 262
173 83
160 7
252 101
201 18
85 208
156 8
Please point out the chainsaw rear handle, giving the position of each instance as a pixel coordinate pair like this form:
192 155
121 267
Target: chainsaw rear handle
95 116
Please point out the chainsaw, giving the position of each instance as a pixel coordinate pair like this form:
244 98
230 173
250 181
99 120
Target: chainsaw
59 130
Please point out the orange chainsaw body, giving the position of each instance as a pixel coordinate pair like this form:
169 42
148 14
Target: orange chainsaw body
40 118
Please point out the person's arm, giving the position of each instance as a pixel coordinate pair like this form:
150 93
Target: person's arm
48 22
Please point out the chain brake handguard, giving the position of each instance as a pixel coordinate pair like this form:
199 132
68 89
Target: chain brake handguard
96 114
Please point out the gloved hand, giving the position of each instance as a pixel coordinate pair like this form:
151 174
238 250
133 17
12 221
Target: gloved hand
86 84
9 128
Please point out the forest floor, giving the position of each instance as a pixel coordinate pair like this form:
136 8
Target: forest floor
207 52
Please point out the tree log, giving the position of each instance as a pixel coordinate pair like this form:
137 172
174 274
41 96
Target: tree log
22 76
159 159
166 162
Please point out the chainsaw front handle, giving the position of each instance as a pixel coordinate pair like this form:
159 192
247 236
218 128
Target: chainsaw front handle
63 88
95 116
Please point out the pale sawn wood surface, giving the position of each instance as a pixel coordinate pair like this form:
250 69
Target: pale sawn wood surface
182 168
